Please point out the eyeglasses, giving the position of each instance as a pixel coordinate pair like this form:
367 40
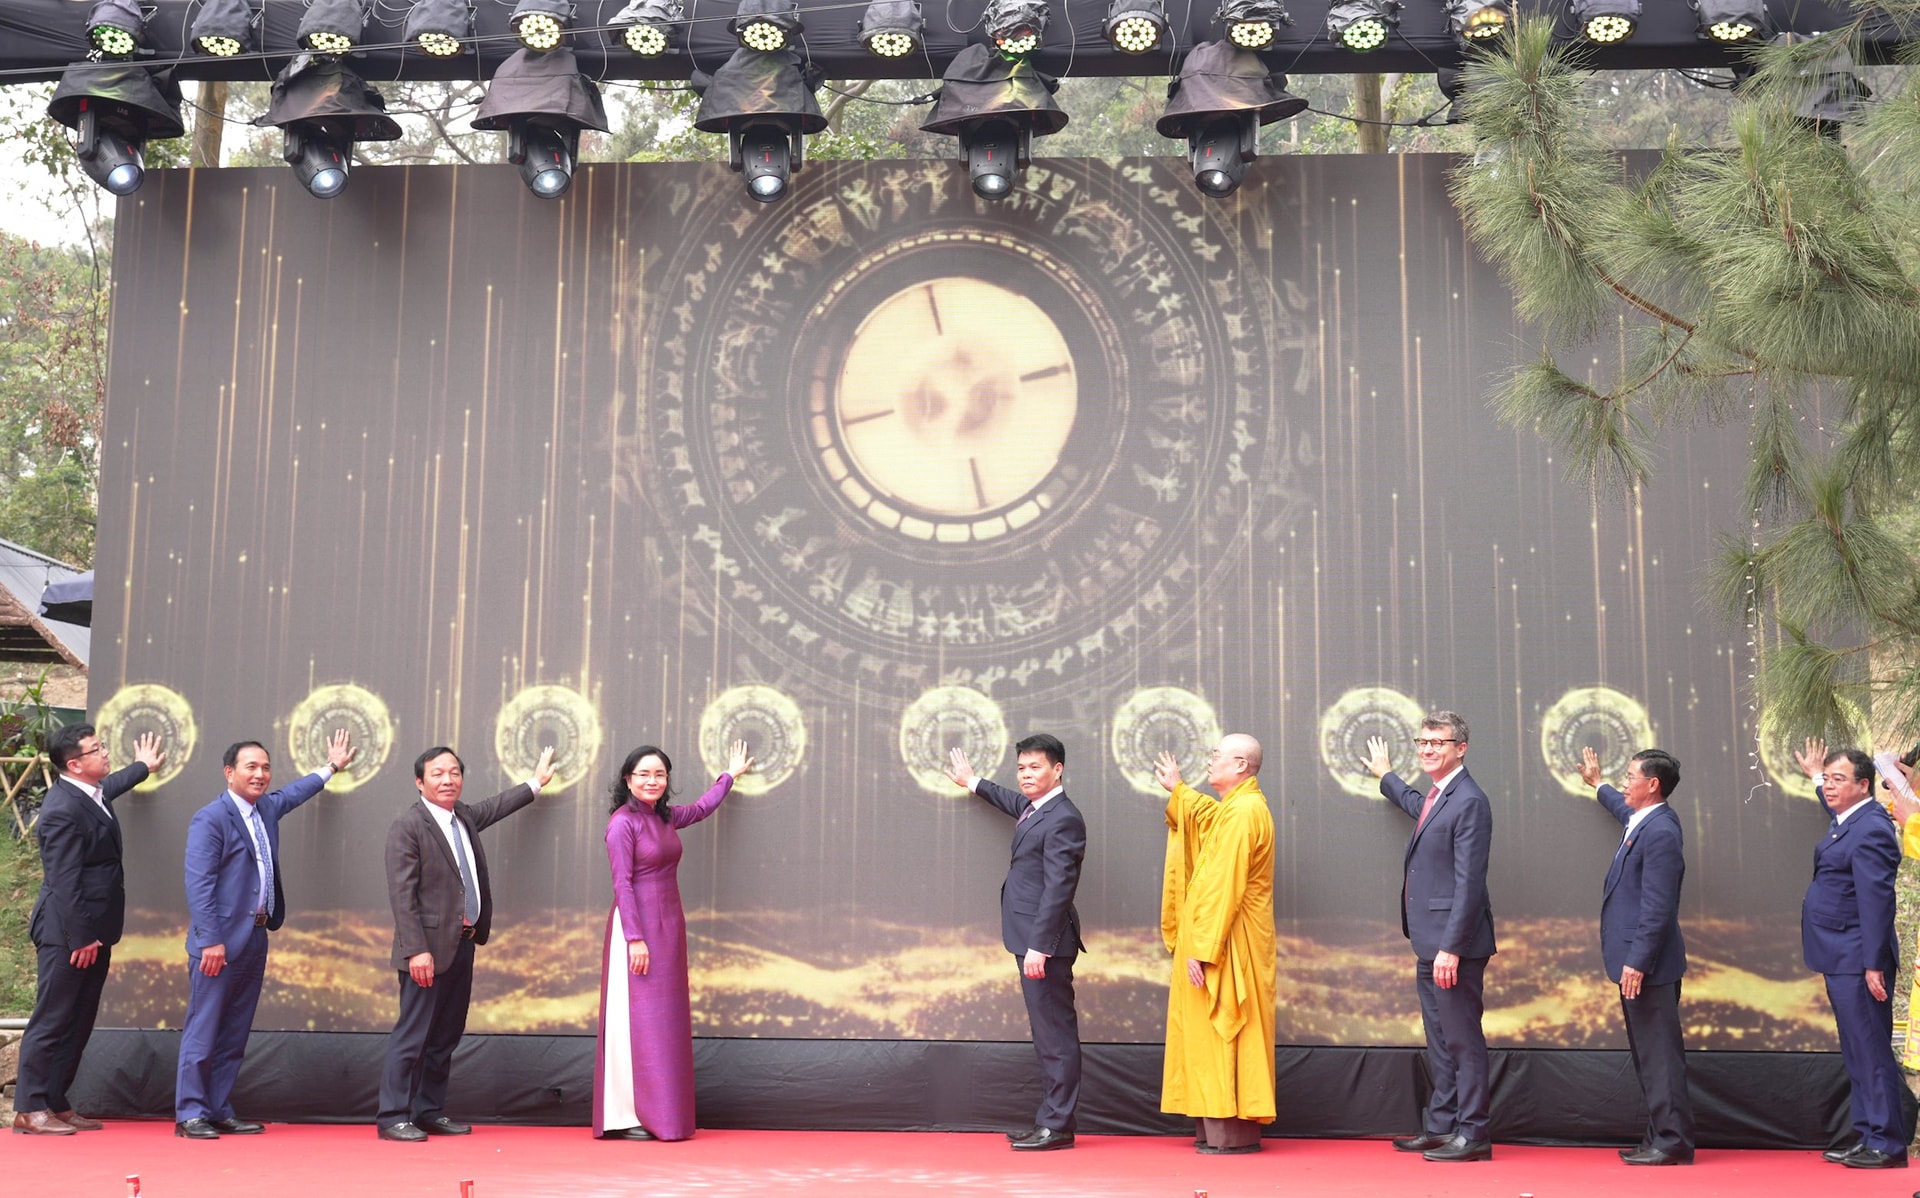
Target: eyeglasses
1427 742
100 749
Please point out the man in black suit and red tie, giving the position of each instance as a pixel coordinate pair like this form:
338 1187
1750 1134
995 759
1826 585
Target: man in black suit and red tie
1038 924
76 920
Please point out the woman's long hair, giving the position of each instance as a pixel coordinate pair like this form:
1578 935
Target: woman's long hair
620 796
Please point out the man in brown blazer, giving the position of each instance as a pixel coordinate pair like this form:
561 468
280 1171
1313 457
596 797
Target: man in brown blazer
437 883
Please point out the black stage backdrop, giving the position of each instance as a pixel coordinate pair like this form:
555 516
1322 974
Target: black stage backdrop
864 475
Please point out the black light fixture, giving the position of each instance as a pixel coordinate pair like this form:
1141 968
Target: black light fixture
224 28
332 26
1252 24
768 26
116 108
1016 26
1362 25
542 101
322 108
116 28
996 106
1605 22
892 28
646 27
1826 94
1477 20
1732 21
540 24
765 105
1452 82
439 28
1136 26
1217 103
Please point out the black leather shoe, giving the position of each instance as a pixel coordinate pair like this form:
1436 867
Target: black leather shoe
1627 1152
1426 1141
628 1133
1459 1148
406 1133
1653 1156
1236 1150
440 1125
1836 1155
1022 1134
236 1127
1043 1139
196 1129
1873 1158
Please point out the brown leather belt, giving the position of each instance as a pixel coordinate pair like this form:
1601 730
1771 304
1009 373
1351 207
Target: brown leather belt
466 931
259 919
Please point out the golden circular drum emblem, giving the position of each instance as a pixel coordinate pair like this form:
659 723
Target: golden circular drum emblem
147 707
1163 719
1614 725
1356 717
946 718
771 724
341 705
548 715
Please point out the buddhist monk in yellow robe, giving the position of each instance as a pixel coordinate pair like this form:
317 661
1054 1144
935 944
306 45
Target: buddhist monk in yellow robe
1216 917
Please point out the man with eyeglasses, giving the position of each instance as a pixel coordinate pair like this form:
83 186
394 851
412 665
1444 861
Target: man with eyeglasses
1846 934
1447 914
76 920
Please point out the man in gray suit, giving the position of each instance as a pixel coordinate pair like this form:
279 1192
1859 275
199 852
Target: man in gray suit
442 908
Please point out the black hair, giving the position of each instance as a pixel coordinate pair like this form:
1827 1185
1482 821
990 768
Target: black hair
64 745
1662 767
231 757
619 796
420 762
1045 743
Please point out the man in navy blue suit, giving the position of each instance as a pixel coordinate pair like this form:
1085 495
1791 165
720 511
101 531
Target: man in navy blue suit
234 898
1641 944
1846 933
1038 924
1447 914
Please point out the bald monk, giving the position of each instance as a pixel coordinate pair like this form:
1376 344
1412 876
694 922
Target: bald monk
1216 916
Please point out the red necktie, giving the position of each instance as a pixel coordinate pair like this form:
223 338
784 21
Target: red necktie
1426 808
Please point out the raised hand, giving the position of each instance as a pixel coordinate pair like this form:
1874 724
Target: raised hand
1166 770
1590 771
147 751
542 774
341 750
960 770
1813 758
739 762
1376 760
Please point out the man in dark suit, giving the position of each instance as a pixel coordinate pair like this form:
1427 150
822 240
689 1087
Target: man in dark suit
1446 912
234 898
76 920
1641 944
1846 933
442 908
1038 924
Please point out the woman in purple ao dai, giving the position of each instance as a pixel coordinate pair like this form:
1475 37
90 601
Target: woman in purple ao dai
643 1069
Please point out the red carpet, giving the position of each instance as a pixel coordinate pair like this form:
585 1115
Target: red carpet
295 1161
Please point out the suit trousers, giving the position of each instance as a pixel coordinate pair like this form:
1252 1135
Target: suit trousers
66 1002
1881 1104
1456 1050
413 1082
1056 1040
1660 1061
213 1041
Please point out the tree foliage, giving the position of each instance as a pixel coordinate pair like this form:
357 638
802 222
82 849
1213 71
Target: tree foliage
1769 280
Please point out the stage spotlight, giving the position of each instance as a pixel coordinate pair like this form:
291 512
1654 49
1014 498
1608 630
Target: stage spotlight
1137 26
224 28
322 108
116 108
1253 24
765 105
332 26
542 101
1477 20
1362 25
1452 82
539 24
439 27
892 28
1825 92
768 26
1732 20
1605 22
646 27
116 28
996 106
1016 26
1217 103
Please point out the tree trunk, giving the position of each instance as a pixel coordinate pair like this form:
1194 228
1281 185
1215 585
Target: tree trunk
1367 108
209 123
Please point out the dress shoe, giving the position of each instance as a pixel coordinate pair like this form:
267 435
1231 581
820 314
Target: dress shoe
1044 1139
1236 1150
41 1123
1873 1158
237 1127
440 1125
1836 1155
1459 1148
1426 1141
77 1121
628 1133
196 1129
406 1133
1022 1134
1653 1156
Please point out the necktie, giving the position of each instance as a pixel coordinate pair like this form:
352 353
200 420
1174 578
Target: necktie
466 875
266 860
1025 815
1426 808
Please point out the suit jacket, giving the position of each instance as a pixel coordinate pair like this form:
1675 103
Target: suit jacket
1036 900
1444 905
84 895
423 879
222 870
1846 920
1640 900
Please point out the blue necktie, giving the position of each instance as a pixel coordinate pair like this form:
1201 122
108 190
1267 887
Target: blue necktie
266 857
466 875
